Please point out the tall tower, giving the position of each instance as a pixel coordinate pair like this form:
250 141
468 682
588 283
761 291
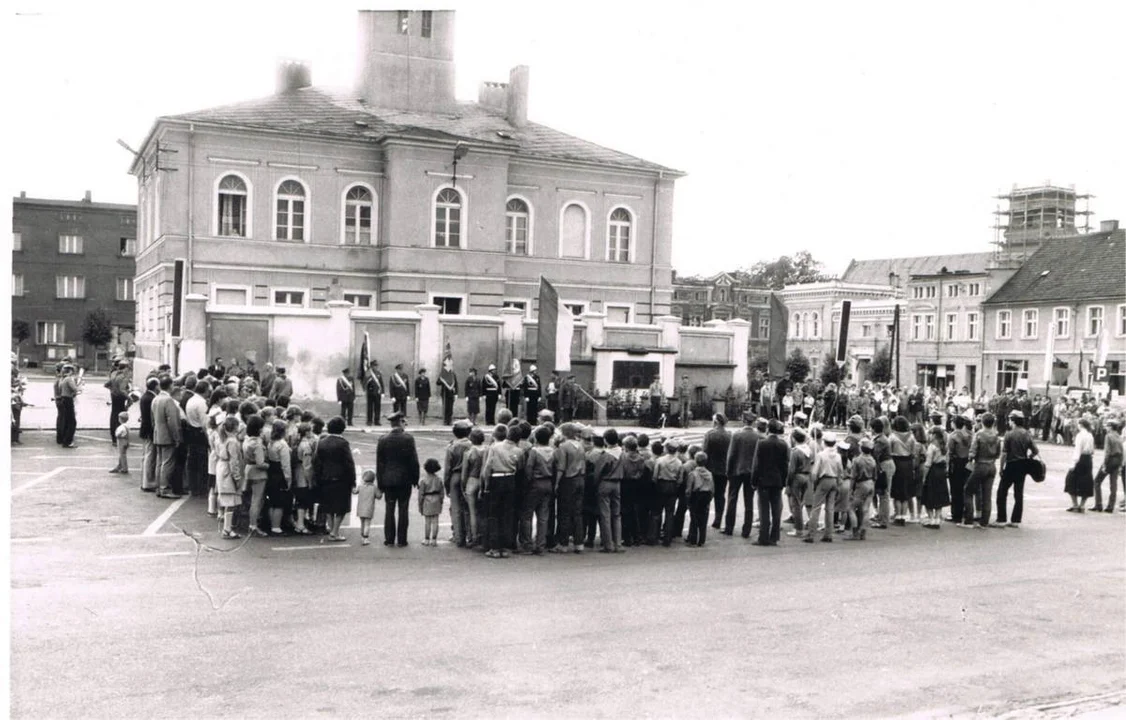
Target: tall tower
1037 214
406 59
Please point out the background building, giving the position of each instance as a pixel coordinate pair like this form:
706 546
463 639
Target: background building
390 197
70 258
1034 215
723 296
1063 309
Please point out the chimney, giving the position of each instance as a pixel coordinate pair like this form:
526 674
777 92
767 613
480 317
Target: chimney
493 95
517 96
87 197
293 75
23 194
1108 225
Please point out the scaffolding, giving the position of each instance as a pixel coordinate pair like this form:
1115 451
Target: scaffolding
1037 214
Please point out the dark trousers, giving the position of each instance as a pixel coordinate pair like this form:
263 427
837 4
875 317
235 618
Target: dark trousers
666 512
536 501
681 513
67 423
398 500
699 504
740 482
769 514
117 405
958 475
447 408
720 498
979 493
633 513
373 405
195 465
1011 477
491 408
1110 469
179 468
569 499
346 410
399 404
532 408
17 408
498 525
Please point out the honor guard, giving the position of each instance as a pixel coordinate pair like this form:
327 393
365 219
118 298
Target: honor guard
531 390
400 390
373 391
490 384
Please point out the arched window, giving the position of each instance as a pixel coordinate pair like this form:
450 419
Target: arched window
815 331
805 325
517 222
359 211
232 204
447 218
574 231
620 232
795 326
290 211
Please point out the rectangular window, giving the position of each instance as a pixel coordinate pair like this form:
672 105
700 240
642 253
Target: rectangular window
448 304
951 291
932 291
70 287
125 289
577 309
521 305
1062 320
917 292
971 326
866 331
1004 324
618 313
17 285
232 214
1094 320
1009 373
404 21
928 323
1030 324
289 298
49 332
17 242
360 300
70 244
951 326
916 327
427 23
516 232
231 296
128 247
1120 323
763 327
973 289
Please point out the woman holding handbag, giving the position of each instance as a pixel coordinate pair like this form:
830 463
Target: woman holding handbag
1080 483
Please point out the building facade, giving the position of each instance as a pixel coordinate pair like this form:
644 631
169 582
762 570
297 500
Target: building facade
70 258
723 296
390 197
1061 318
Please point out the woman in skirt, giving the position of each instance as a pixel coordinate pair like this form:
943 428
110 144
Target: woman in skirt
936 492
902 451
279 476
1080 483
918 431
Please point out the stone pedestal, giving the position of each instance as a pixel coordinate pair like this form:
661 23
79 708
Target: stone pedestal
192 353
429 340
739 345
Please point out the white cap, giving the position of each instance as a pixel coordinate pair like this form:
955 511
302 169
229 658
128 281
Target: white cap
829 437
532 369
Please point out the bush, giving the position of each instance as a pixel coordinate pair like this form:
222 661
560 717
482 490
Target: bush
798 366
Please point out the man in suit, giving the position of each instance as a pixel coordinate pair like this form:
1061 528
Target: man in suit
491 386
716 444
346 395
148 457
400 390
531 389
165 436
396 472
768 477
283 386
373 392
740 463
217 370
266 386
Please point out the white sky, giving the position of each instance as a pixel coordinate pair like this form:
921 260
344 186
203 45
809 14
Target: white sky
852 129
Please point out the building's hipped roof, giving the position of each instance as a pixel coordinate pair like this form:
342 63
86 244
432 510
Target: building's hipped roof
76 204
316 111
875 272
1068 270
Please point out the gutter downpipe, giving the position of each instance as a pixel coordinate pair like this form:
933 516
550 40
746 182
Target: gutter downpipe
653 249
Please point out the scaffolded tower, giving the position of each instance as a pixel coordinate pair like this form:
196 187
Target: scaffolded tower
1035 215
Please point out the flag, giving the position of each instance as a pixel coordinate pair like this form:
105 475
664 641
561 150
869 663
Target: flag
555 330
842 343
1050 354
778 331
365 351
1104 347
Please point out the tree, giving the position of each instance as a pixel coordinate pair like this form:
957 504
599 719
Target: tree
831 372
785 270
20 331
880 370
97 330
798 366
759 364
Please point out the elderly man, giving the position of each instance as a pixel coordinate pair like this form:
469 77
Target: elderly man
740 461
397 472
166 436
148 458
768 476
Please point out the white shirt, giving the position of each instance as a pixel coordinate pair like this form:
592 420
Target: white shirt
195 411
1084 444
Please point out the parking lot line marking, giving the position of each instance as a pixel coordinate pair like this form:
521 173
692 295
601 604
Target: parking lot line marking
91 437
311 547
143 536
164 517
41 479
136 556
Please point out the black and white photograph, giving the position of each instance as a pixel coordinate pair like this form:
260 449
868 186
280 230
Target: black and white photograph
566 360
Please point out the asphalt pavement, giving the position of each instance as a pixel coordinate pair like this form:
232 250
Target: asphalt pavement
117 612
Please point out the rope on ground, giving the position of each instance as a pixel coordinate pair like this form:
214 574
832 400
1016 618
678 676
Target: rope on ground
200 546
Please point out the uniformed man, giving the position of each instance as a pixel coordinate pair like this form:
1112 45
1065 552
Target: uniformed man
373 392
656 400
447 385
684 394
553 393
491 387
346 394
568 398
422 395
472 396
400 390
531 389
